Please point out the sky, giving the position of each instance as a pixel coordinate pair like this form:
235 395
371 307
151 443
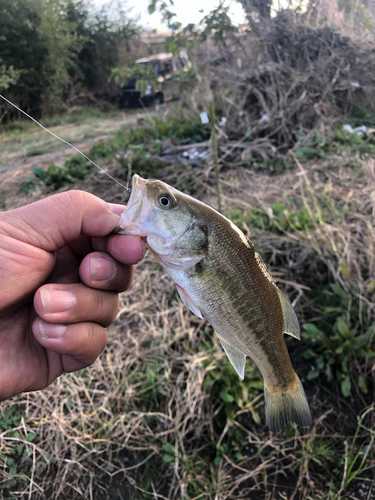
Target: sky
187 11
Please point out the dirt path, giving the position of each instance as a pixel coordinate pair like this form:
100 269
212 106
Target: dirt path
20 152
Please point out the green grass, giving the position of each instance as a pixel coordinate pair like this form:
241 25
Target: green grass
76 115
135 149
339 339
276 218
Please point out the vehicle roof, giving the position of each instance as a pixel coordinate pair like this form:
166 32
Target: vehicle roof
157 57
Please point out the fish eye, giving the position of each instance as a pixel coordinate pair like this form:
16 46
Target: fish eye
165 201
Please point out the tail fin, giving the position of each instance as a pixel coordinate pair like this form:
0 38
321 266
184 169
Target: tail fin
288 406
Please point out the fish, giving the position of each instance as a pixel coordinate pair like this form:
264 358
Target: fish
221 277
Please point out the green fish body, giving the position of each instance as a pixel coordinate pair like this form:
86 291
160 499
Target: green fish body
221 277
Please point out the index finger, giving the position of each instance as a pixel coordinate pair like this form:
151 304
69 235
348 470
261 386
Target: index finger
58 220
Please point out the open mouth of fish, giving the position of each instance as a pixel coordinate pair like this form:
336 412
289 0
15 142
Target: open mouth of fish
136 211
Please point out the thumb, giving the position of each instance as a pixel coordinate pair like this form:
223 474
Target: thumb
58 220
30 235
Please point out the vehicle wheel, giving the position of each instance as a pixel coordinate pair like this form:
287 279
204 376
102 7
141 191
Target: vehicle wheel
159 98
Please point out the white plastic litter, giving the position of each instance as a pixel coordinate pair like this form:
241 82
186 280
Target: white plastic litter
204 118
358 130
194 154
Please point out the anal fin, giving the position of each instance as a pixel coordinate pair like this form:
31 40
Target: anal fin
188 301
236 357
290 317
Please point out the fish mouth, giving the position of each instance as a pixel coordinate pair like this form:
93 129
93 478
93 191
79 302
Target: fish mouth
136 210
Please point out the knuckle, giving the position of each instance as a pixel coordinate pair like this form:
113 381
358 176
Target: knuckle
90 342
106 303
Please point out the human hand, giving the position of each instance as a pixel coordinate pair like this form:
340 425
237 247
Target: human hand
60 274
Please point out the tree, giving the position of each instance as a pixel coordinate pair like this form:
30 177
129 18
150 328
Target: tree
102 33
218 23
261 7
38 44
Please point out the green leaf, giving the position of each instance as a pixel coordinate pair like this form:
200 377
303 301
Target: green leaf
30 437
362 384
168 458
320 363
256 384
344 271
225 396
343 328
312 330
168 448
217 460
312 374
309 354
39 173
152 7
340 292
346 386
328 310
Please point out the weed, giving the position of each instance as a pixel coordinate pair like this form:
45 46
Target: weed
157 129
276 218
356 462
135 149
360 115
15 459
11 418
56 177
337 341
312 147
359 144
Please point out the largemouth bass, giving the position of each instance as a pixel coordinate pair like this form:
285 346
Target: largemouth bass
221 277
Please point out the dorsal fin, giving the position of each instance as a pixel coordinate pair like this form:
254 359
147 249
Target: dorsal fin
290 317
236 357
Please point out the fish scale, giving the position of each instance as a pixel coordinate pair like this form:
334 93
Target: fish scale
221 277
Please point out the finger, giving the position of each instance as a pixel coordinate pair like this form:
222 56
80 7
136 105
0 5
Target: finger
124 248
99 270
58 220
66 267
75 303
116 208
79 343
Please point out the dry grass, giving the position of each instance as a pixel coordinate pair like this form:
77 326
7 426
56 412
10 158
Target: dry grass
162 415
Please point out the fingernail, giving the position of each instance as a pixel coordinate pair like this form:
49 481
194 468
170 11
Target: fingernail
50 331
116 209
54 301
102 269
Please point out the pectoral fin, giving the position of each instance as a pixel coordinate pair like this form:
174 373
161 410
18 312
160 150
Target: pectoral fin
187 300
290 318
235 356
178 263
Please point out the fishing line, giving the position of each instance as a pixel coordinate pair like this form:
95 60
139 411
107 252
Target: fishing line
66 142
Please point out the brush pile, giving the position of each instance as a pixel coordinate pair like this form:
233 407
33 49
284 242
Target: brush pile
290 79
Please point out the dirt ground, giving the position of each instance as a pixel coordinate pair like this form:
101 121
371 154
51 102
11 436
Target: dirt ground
36 148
